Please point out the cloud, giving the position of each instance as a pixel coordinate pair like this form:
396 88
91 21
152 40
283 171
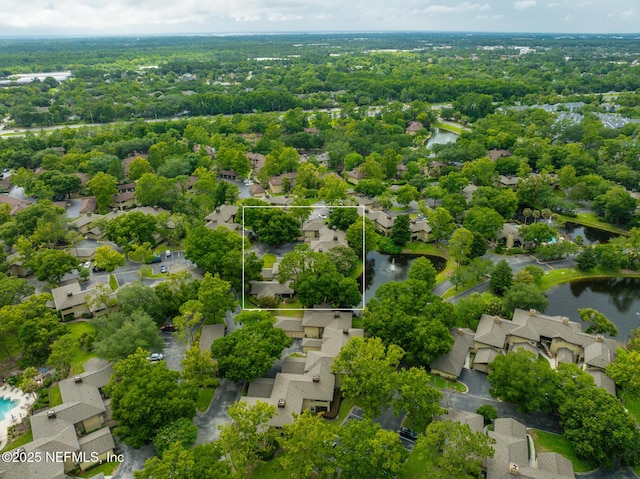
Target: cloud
522 4
460 8
622 14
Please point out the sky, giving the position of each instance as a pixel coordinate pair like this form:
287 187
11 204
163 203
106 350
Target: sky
142 17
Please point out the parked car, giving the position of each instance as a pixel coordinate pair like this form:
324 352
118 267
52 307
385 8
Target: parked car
168 253
168 328
407 433
96 269
156 259
87 264
163 269
156 357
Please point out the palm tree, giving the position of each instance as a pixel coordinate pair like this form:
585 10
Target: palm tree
546 213
536 215
526 213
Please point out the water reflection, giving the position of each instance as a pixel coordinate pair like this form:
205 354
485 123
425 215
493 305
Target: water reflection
441 137
383 268
616 298
589 235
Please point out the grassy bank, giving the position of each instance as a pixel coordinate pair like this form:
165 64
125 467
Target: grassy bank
432 249
447 126
565 275
591 220
549 442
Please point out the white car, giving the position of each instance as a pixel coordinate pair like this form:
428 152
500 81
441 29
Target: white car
87 265
156 357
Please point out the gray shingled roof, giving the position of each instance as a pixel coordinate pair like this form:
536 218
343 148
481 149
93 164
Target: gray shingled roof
452 362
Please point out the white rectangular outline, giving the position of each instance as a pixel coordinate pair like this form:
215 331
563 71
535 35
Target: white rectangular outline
364 258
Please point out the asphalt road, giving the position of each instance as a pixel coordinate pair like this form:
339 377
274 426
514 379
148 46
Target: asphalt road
226 394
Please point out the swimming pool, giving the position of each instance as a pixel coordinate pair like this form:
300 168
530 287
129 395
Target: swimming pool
6 405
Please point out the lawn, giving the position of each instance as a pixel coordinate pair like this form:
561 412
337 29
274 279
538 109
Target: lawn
268 260
107 468
549 442
632 403
19 441
432 249
80 356
269 470
564 275
55 398
357 270
415 466
590 219
205 395
113 282
442 383
292 310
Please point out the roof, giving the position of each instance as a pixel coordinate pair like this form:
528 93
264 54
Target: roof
291 325
495 154
485 355
452 362
99 441
256 189
88 205
270 288
492 330
277 180
598 354
473 420
602 380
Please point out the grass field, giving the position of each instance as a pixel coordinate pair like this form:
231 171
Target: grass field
55 398
80 356
108 469
564 275
19 441
549 442
268 260
632 403
204 398
590 219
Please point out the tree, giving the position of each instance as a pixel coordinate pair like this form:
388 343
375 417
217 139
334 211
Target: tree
587 259
333 190
62 351
108 259
199 367
181 431
525 296
13 290
367 450
523 379
401 230
625 371
453 450
307 447
417 398
601 431
371 187
138 167
215 296
134 228
460 245
200 461
422 270
103 187
342 218
247 353
356 234
153 190
246 438
538 233
119 335
189 321
616 205
209 249
326 286
275 226
488 412
145 397
598 322
138 296
501 278
406 194
344 258
51 265
483 220
368 372
441 222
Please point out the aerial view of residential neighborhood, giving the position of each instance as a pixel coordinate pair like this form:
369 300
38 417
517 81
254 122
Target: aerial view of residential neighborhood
320 255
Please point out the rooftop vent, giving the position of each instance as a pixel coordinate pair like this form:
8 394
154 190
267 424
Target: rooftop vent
336 314
345 331
461 331
514 469
532 312
282 402
77 379
316 378
496 319
599 338
51 414
69 293
565 320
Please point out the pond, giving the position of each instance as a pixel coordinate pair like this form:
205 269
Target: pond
589 235
441 137
382 268
616 298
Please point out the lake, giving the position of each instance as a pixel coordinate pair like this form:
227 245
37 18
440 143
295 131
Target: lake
589 235
441 137
616 298
382 268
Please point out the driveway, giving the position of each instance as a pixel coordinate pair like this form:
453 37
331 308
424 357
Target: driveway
621 473
476 382
133 460
226 394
